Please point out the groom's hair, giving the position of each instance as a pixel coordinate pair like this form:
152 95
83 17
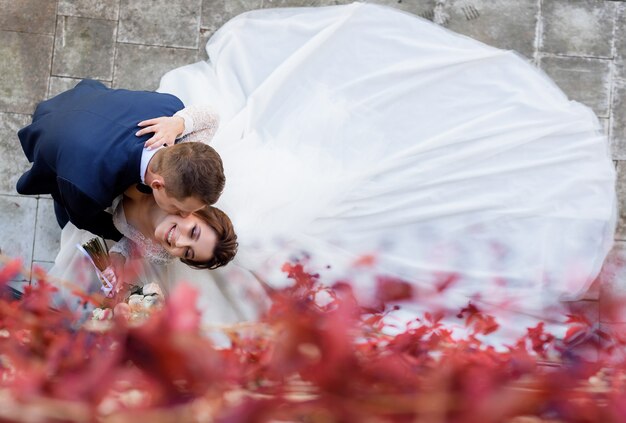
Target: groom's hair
226 245
190 169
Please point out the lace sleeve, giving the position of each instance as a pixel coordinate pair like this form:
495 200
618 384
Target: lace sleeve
201 123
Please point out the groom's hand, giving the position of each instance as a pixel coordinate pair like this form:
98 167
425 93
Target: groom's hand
165 129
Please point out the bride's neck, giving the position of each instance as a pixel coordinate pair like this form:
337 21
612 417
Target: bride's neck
143 214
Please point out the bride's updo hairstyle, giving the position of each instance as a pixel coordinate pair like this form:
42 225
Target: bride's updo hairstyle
190 169
226 245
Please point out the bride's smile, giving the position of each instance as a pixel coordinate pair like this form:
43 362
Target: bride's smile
188 237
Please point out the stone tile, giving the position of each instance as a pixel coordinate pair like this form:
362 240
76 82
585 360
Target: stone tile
507 24
36 270
60 84
216 13
36 16
19 285
25 69
621 200
582 79
618 121
615 331
17 226
205 34
620 41
13 162
84 48
620 186
593 293
299 3
613 285
423 8
141 67
578 28
47 232
99 9
44 265
163 22
606 125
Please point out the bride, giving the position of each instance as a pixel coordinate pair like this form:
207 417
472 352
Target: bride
366 142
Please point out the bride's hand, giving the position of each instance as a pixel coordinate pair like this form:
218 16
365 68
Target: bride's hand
114 273
165 129
111 278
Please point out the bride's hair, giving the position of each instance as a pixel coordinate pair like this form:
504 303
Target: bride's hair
190 169
226 245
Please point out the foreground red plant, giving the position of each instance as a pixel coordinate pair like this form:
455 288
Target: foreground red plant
315 356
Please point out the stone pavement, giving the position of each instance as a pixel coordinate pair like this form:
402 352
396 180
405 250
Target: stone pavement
47 46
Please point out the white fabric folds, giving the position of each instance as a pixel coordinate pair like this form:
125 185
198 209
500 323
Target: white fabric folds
361 130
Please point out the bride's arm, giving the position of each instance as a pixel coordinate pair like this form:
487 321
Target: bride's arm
123 247
193 123
201 123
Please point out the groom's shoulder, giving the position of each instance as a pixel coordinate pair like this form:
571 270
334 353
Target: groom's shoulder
151 97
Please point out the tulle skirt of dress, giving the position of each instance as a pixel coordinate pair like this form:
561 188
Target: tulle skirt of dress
359 130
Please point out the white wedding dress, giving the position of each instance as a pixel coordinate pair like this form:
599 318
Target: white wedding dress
361 131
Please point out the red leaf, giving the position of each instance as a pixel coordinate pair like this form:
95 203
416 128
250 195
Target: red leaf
393 289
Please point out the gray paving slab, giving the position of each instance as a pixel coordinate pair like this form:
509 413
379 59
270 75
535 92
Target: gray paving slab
141 67
216 13
162 22
423 8
300 3
84 48
618 121
205 34
44 265
621 200
578 28
35 16
613 286
620 41
606 125
47 232
100 9
586 80
59 84
507 24
20 285
25 69
17 226
38 270
13 162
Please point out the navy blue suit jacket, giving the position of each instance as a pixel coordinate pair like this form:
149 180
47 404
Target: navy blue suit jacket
84 151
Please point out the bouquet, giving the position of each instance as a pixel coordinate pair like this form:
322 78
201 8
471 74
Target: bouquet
97 253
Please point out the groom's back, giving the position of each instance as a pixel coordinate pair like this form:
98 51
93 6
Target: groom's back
87 136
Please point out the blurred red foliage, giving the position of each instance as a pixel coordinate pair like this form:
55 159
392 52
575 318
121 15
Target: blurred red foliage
305 360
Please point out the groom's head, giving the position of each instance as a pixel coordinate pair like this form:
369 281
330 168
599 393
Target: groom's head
186 177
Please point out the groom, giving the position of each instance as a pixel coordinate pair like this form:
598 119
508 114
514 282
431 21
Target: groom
84 151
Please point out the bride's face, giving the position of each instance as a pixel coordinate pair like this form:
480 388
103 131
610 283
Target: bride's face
186 237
